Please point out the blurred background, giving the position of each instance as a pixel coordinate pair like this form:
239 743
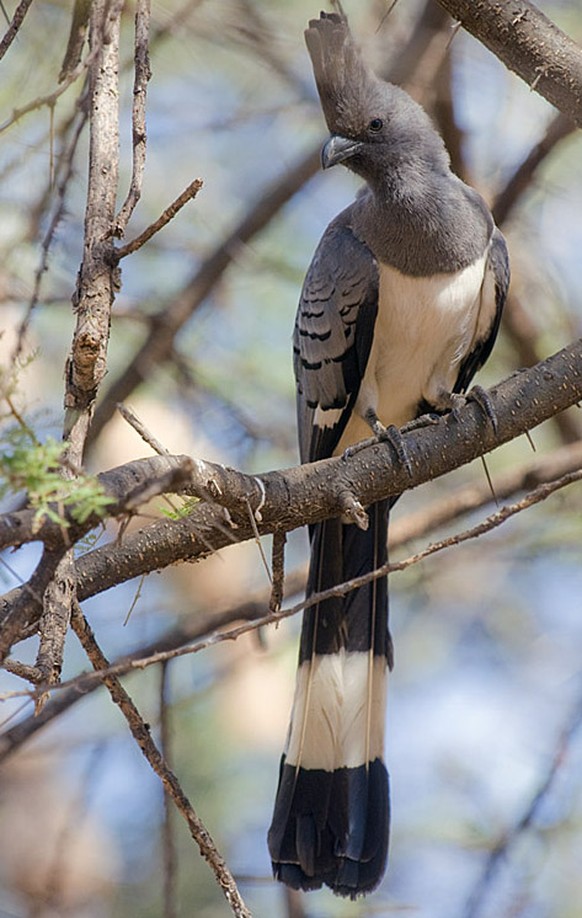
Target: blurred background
486 697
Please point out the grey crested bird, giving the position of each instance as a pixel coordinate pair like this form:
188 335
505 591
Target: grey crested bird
400 307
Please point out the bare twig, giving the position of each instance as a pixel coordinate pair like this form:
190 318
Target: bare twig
278 570
29 595
141 734
67 159
170 854
138 118
129 415
86 365
558 129
470 498
77 36
170 212
49 100
17 20
490 523
54 623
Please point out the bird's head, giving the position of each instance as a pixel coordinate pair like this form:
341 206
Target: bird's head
375 126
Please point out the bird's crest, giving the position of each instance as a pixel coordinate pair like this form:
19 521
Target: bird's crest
346 86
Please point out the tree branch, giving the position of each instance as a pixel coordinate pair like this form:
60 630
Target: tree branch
530 45
13 29
310 493
141 734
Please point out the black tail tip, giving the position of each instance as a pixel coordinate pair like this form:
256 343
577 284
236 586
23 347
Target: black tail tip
331 828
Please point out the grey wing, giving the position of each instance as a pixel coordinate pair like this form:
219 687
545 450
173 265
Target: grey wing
332 338
495 286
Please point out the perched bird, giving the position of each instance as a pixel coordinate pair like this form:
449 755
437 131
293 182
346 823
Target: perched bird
400 307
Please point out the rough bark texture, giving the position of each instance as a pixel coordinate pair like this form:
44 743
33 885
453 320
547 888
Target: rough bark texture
528 43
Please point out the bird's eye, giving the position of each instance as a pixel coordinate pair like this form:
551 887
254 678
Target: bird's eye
375 125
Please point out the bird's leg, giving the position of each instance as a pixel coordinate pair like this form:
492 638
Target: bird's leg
382 434
452 402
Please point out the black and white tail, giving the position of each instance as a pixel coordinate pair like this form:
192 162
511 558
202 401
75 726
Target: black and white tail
332 811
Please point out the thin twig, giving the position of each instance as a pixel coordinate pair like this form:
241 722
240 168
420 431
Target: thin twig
51 97
170 854
170 212
278 570
138 117
67 158
257 538
489 524
12 32
129 415
141 734
77 36
471 497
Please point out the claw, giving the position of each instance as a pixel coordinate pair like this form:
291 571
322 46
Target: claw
391 435
424 420
479 395
356 448
396 441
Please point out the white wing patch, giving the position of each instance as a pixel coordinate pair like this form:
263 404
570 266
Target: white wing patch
327 417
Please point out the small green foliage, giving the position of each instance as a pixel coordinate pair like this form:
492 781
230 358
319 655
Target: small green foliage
178 513
36 468
33 467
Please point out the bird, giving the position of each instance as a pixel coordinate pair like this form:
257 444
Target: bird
400 307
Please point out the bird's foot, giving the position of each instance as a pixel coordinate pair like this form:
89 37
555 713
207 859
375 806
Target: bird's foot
424 420
390 434
480 395
452 403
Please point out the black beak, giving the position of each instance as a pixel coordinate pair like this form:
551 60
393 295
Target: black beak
337 149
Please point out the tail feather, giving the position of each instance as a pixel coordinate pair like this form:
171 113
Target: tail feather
331 819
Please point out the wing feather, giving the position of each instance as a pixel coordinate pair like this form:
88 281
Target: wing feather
333 337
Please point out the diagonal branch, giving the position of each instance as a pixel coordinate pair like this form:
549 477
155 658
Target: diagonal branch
530 45
141 734
307 494
12 32
219 636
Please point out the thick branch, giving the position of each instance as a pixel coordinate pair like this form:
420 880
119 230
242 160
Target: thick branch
128 486
530 45
306 494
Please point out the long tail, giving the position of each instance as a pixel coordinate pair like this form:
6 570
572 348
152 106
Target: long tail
332 811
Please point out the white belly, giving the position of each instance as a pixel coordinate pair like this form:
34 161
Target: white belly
424 328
